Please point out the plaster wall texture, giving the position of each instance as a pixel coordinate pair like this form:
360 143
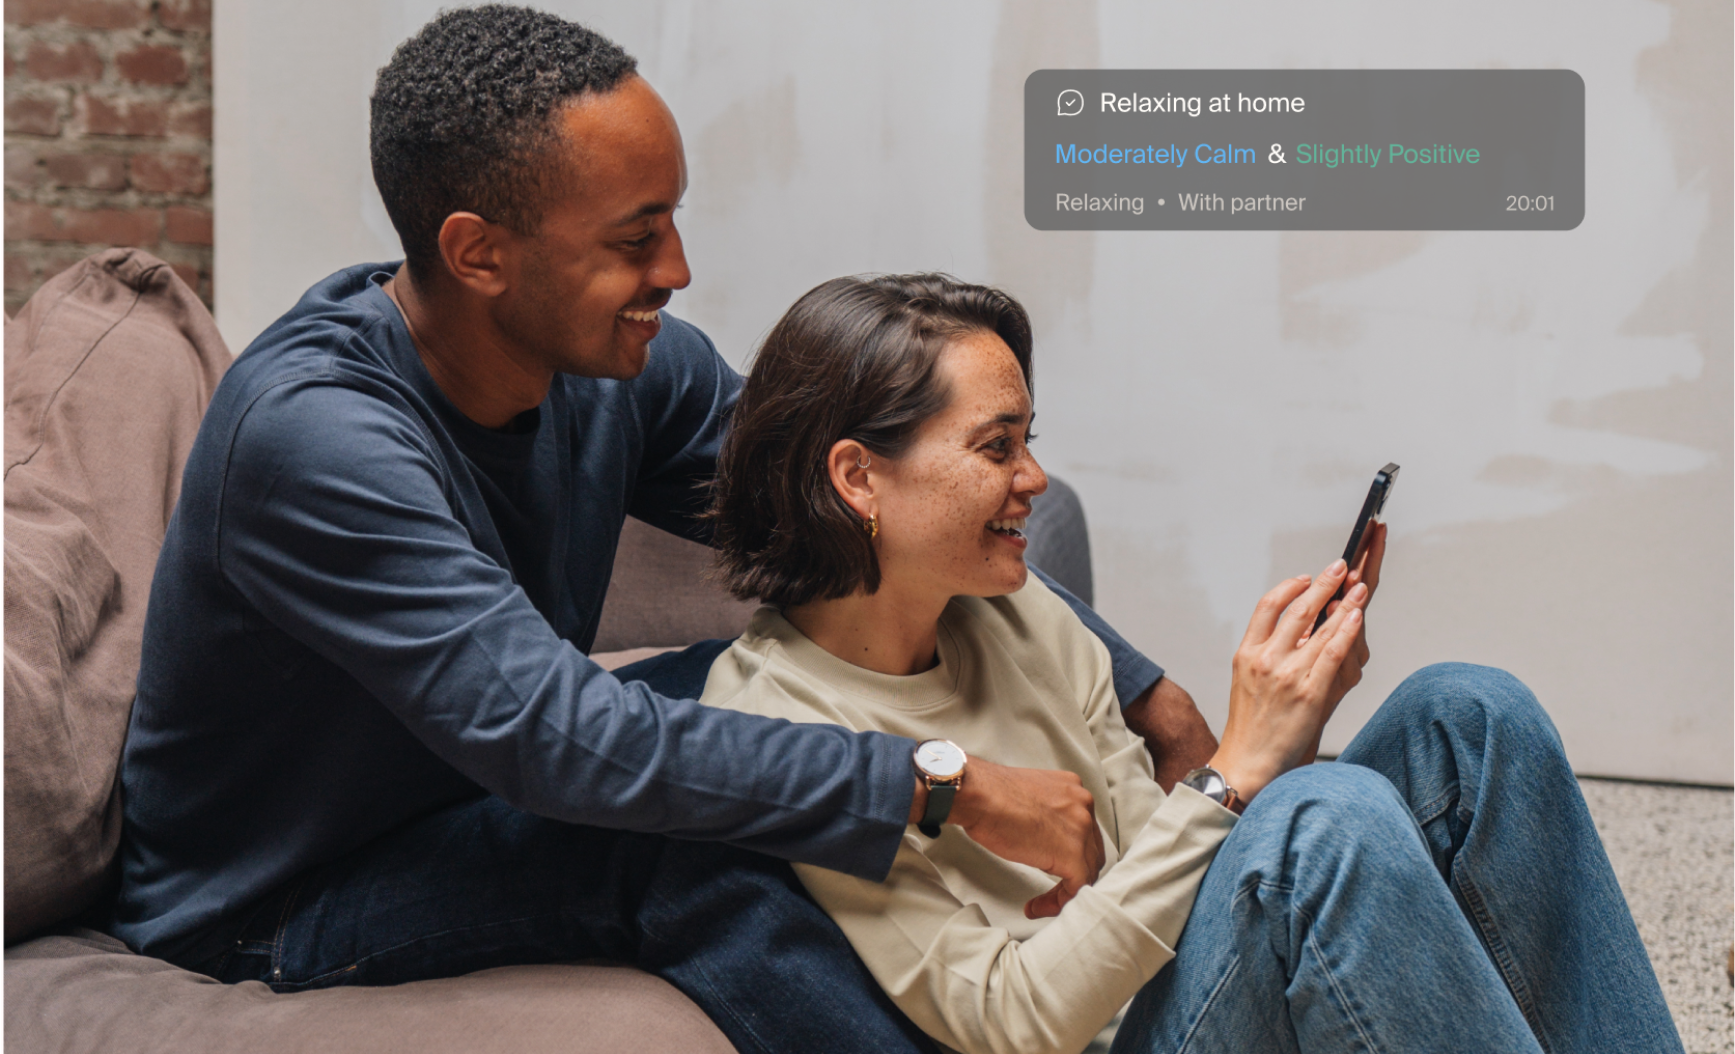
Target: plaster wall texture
1560 401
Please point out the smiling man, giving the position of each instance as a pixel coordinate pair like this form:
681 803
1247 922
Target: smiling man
367 745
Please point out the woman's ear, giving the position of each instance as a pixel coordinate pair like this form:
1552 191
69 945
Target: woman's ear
852 470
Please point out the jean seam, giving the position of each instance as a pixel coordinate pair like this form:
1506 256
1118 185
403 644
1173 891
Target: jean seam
1336 988
241 941
1210 1001
1502 956
1433 810
277 939
717 999
417 940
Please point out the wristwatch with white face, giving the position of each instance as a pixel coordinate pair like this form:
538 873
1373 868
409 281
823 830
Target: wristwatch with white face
940 764
1209 782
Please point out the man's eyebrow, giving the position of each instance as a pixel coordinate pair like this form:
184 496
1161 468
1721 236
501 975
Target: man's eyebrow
655 208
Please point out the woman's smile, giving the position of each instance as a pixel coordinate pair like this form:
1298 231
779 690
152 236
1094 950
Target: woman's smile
953 508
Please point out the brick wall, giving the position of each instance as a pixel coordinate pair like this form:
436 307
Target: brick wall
108 135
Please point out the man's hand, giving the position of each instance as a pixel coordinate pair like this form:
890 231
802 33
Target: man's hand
1042 818
1174 731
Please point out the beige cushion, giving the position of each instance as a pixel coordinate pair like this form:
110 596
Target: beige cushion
108 369
84 994
614 660
661 595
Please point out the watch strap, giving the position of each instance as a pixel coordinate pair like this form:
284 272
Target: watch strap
940 796
1201 779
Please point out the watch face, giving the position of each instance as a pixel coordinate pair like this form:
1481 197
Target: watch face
1209 783
940 758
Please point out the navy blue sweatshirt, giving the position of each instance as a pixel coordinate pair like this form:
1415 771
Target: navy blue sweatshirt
368 607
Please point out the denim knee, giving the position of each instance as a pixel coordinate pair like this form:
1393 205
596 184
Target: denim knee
1336 791
1325 843
1332 808
1458 692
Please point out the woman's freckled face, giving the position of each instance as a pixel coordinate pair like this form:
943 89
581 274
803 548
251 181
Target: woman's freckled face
969 466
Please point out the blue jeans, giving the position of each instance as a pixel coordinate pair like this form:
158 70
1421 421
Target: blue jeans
1440 888
481 884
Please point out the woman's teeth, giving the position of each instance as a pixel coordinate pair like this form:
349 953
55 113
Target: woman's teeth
1014 528
639 316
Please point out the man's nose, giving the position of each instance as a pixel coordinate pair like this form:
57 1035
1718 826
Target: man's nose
669 269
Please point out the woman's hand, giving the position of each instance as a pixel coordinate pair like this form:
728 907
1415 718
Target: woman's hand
1287 683
1367 570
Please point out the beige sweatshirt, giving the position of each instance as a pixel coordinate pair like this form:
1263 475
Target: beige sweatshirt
1020 681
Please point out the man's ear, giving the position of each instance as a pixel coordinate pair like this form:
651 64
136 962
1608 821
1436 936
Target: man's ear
852 472
474 251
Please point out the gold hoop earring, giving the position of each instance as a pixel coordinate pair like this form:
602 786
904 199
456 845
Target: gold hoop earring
872 525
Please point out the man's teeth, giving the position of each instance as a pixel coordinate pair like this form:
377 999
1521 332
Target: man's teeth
1008 526
639 316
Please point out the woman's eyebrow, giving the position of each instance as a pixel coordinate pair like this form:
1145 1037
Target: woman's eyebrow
1004 419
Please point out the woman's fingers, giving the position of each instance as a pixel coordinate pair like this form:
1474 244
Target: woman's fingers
1332 644
1372 559
1299 616
1270 608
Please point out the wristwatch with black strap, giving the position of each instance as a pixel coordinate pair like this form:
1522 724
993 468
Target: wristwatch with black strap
940 764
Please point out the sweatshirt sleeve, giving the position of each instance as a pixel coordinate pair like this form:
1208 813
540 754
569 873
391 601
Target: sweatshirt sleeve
969 983
975 988
343 537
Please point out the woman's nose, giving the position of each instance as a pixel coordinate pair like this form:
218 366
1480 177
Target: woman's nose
1031 479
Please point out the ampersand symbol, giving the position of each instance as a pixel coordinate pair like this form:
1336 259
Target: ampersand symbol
1276 156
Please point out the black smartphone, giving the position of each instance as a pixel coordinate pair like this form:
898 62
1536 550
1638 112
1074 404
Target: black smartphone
1384 480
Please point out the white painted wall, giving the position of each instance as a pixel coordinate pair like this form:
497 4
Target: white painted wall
1560 402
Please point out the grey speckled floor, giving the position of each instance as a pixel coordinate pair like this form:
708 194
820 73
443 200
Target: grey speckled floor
1673 850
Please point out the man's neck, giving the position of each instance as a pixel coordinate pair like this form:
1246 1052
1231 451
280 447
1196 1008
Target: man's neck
466 354
885 632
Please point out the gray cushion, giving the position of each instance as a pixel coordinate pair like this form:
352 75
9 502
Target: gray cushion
1060 541
662 595
108 369
85 993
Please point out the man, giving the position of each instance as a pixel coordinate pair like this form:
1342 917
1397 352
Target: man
367 747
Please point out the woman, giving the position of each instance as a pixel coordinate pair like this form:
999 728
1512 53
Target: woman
1445 891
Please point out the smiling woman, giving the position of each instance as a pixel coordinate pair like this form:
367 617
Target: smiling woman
873 492
817 449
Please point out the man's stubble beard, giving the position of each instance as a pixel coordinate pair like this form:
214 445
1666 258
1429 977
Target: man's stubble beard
540 322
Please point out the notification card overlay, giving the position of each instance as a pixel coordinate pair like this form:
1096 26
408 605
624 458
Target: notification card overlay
1350 150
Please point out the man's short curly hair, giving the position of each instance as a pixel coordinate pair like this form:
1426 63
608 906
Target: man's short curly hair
463 118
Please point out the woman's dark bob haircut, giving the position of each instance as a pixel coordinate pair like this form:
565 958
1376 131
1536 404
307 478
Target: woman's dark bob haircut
855 358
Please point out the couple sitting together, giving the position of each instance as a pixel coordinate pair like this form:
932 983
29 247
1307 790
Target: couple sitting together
367 746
